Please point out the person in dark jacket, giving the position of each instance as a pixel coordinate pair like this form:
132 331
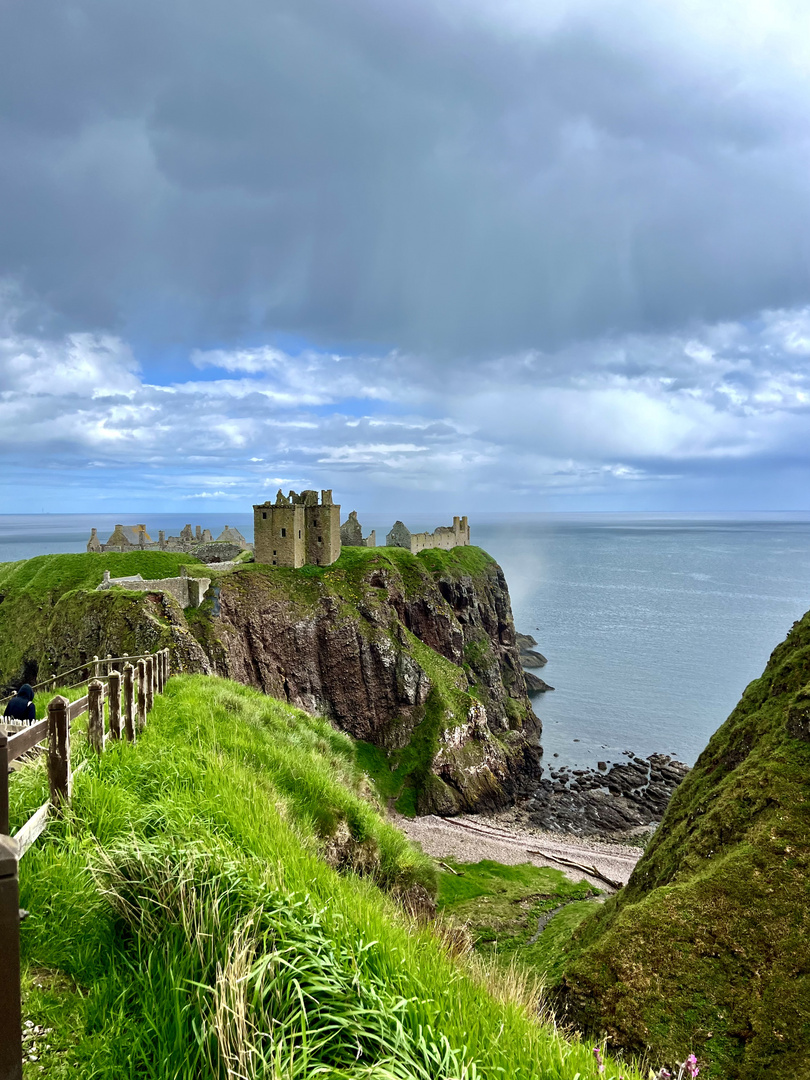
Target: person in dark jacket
21 706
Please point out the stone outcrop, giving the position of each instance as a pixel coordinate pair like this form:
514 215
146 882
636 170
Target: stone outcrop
605 802
422 665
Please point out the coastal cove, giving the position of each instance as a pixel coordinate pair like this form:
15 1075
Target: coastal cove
652 624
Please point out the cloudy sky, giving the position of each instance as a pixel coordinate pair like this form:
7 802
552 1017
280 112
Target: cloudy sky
498 254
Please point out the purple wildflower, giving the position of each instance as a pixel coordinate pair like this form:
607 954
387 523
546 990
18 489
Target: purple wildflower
692 1066
597 1053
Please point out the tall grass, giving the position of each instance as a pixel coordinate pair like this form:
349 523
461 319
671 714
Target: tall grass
198 930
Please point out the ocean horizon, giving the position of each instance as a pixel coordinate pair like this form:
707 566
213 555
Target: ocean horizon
653 623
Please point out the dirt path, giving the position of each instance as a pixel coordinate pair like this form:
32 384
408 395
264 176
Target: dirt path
468 838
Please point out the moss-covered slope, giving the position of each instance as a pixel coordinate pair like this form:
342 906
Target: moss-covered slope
708 946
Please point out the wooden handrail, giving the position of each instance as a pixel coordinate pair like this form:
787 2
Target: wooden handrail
96 661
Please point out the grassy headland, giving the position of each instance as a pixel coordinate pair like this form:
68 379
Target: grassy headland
39 595
218 901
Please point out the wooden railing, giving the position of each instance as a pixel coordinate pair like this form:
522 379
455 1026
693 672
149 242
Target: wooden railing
129 695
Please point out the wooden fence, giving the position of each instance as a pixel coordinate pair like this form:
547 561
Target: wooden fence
129 695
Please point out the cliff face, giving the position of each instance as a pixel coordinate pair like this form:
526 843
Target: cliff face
413 655
708 946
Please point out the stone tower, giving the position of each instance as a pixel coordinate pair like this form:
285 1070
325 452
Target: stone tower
296 530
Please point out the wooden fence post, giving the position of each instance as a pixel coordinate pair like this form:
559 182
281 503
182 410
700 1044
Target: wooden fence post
4 826
95 715
158 673
150 683
60 779
129 702
114 695
96 667
10 1007
108 664
141 694
167 660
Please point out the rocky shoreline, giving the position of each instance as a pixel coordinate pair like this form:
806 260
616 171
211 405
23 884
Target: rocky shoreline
622 801
612 801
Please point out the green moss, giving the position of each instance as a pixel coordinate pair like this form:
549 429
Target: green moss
708 947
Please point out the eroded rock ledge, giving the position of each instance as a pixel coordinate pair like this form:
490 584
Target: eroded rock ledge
626 797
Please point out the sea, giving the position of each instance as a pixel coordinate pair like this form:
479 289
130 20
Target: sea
653 624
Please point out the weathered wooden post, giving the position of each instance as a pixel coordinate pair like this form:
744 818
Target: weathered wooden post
166 666
114 695
10 1006
4 826
158 673
96 667
141 694
129 701
60 779
150 683
95 715
109 664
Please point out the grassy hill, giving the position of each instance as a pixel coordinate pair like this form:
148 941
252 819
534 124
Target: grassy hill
225 899
38 596
708 946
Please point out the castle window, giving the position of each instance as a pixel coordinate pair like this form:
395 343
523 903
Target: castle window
299 534
283 532
316 524
275 553
320 539
264 514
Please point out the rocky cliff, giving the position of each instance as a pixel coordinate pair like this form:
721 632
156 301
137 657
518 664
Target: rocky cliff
708 946
415 656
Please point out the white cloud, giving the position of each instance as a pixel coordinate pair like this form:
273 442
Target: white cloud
632 411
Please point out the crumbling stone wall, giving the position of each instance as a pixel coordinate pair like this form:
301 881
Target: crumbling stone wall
351 533
195 541
188 591
445 537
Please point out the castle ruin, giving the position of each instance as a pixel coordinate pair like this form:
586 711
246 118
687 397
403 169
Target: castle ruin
351 533
297 530
445 537
199 542
294 530
188 591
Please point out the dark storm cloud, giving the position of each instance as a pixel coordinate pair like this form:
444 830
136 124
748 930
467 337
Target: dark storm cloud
421 176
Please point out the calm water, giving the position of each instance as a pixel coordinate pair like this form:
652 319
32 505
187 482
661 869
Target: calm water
652 624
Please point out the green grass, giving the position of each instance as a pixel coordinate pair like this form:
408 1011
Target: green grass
502 906
218 902
44 600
